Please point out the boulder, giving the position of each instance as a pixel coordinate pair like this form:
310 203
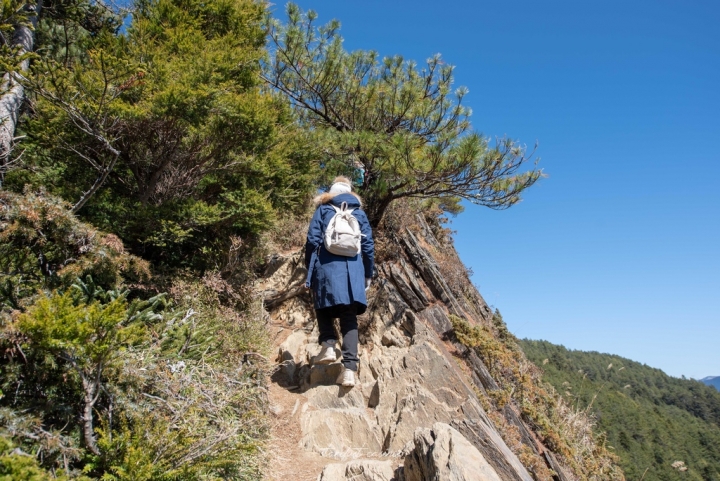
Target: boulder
443 454
335 397
324 374
292 353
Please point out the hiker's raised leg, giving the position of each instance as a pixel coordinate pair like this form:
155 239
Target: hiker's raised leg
325 324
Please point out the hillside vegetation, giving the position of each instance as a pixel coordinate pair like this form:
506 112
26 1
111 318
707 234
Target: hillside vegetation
662 428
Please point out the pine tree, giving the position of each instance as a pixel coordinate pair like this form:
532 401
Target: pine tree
401 124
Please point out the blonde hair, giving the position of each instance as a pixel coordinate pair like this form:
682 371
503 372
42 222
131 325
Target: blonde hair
342 180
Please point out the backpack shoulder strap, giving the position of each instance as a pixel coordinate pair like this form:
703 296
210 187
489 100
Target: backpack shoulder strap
342 209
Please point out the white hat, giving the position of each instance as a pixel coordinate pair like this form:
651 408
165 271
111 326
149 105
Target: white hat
340 188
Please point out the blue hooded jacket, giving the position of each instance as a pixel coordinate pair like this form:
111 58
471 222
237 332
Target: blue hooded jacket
338 280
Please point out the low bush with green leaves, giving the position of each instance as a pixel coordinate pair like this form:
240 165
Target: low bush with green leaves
136 389
15 465
43 246
101 381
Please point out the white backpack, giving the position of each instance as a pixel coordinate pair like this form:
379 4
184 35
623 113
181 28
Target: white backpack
342 236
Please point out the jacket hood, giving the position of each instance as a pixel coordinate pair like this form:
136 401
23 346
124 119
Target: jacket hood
353 200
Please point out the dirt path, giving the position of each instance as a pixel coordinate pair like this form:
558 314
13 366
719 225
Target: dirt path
289 460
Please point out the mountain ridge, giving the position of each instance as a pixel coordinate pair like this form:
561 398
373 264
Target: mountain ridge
713 381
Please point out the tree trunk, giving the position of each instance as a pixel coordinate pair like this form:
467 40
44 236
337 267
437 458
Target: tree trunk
376 209
13 91
90 389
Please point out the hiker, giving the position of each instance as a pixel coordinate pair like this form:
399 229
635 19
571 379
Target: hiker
339 281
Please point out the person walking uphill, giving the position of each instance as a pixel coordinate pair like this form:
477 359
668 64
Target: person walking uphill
339 280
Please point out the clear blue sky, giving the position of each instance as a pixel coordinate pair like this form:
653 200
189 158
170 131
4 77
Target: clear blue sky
618 249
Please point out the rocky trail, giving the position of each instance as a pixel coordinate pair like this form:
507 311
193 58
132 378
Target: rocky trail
414 415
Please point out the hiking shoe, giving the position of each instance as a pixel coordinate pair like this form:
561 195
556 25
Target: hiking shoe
346 378
327 353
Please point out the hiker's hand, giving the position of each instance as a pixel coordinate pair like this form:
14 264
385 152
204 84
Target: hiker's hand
367 283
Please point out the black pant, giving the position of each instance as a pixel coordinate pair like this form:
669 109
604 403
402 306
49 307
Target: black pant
348 328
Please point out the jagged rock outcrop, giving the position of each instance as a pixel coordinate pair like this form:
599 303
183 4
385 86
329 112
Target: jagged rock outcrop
416 402
442 453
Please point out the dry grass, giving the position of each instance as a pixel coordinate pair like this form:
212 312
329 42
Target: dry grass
193 403
455 273
567 432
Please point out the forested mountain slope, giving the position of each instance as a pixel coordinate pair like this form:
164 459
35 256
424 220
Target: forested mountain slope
651 419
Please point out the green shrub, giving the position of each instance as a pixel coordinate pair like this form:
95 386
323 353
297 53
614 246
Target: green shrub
137 389
191 403
44 246
108 384
15 466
